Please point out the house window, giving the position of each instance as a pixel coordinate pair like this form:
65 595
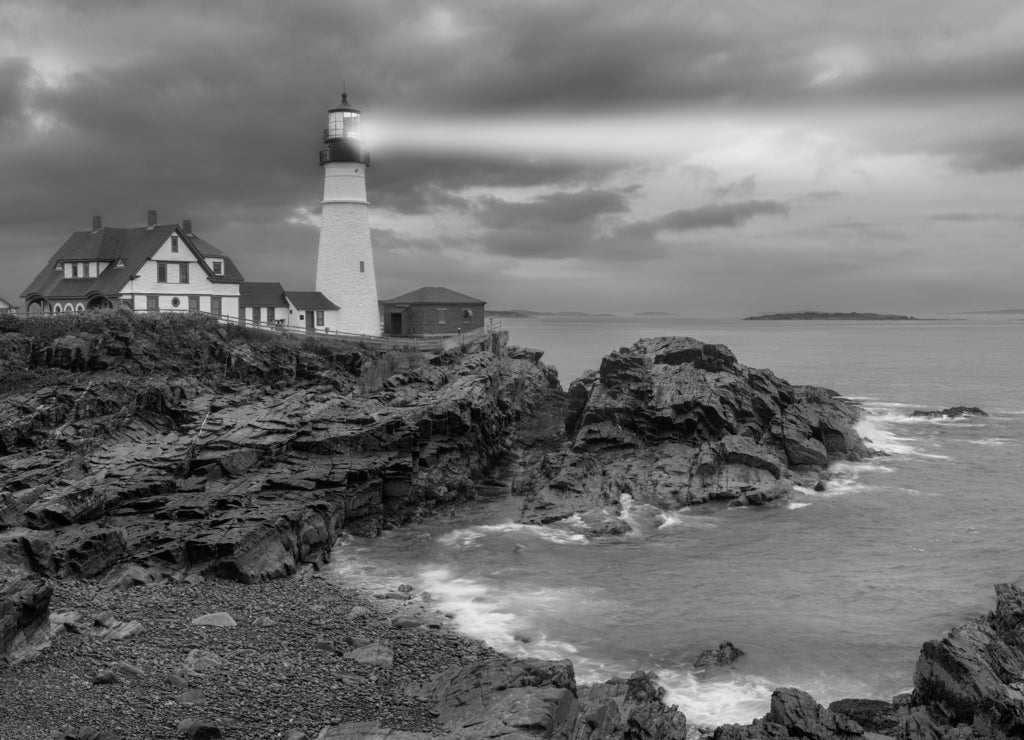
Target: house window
256 315
440 315
215 305
174 244
161 272
193 304
85 270
153 303
218 267
270 315
302 317
74 269
183 272
362 266
319 318
175 302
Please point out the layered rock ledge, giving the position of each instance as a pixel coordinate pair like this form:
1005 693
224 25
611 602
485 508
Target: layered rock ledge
672 421
139 449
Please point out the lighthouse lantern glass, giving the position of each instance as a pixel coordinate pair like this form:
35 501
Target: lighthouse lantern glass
343 124
350 124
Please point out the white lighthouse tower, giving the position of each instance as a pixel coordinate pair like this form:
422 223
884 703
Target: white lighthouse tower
344 258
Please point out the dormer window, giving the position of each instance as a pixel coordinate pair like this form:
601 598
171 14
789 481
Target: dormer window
217 266
174 243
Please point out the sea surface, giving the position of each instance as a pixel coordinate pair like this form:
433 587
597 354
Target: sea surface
831 592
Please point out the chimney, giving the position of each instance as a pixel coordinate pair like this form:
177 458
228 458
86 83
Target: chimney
97 223
186 226
151 220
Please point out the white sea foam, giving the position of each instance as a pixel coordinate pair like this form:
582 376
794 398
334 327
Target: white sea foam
995 442
686 519
873 428
740 698
467 536
498 615
793 505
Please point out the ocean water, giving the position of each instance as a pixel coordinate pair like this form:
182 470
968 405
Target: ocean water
831 592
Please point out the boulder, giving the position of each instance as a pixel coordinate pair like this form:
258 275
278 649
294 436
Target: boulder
874 715
373 654
794 713
504 696
673 422
216 619
626 707
725 654
24 608
972 676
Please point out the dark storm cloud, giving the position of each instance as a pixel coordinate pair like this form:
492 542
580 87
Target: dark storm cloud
998 153
548 210
551 226
413 182
714 216
14 77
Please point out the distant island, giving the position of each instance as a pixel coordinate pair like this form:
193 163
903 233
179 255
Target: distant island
826 316
654 313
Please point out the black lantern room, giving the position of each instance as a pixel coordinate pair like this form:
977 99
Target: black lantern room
342 135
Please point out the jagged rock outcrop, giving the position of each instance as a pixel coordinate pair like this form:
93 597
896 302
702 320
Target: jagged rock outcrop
970 683
794 713
505 697
169 445
673 422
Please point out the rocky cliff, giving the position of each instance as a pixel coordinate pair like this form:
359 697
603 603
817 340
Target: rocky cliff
672 422
145 448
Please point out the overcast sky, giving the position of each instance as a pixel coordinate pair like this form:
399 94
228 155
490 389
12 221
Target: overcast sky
712 158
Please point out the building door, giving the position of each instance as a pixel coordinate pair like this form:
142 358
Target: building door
395 328
193 304
310 326
153 303
215 305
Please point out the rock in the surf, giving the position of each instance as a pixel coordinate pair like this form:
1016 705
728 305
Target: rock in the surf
672 422
952 412
725 654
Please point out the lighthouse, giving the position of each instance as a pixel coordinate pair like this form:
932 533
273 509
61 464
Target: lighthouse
344 257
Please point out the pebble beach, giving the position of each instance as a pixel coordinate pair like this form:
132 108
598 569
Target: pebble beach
280 671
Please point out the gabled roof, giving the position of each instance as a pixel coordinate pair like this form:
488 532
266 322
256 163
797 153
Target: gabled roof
261 294
435 295
130 247
5 303
308 300
231 273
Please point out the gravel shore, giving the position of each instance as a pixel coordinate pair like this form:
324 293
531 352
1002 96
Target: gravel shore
282 667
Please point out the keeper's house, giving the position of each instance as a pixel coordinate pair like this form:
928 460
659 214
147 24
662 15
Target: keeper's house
147 268
431 311
7 306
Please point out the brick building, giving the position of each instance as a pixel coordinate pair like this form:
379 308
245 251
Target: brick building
431 311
